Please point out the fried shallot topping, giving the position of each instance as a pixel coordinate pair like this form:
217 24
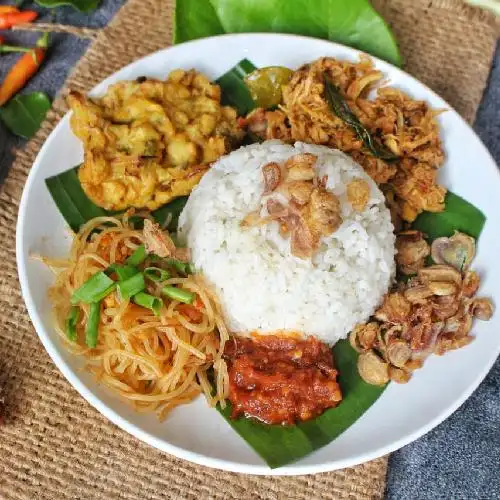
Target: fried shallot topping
358 194
272 177
432 313
412 250
310 211
159 243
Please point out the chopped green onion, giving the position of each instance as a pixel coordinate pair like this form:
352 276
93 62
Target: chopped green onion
71 322
93 324
94 289
138 257
123 271
149 301
182 267
129 287
156 274
178 294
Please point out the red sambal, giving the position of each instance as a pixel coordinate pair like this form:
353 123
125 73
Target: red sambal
281 380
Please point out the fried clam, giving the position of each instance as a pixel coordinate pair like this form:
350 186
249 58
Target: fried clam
407 127
456 251
412 250
482 309
432 312
399 375
364 337
149 141
395 309
398 353
372 368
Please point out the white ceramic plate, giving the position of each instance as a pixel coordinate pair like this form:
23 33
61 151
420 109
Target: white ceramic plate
196 432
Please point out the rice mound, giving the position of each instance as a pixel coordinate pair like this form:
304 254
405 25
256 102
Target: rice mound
264 288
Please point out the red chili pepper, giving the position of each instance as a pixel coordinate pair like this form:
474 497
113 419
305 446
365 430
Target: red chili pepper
23 69
8 9
2 40
9 19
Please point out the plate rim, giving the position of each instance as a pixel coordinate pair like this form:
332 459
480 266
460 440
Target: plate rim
161 444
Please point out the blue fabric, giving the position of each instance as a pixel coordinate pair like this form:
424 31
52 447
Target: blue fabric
460 459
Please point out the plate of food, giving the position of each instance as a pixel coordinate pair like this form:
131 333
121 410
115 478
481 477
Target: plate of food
264 253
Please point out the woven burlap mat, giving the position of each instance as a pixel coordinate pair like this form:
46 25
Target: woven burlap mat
53 444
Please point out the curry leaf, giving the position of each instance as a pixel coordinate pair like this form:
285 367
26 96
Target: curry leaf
81 5
351 22
77 208
458 215
340 107
279 445
23 114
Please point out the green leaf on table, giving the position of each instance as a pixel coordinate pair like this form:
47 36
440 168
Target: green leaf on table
280 445
81 5
458 215
23 114
234 90
77 208
350 22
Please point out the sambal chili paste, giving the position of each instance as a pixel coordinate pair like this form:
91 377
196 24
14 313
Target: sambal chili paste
281 380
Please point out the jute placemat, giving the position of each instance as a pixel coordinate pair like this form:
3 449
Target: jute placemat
53 445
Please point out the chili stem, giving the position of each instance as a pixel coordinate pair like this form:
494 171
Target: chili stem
13 48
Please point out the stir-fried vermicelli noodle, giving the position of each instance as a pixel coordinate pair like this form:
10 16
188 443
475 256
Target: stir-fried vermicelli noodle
156 361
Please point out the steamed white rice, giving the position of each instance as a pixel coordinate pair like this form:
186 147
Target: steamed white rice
261 285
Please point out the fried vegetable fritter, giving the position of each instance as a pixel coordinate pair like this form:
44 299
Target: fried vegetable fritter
405 126
149 141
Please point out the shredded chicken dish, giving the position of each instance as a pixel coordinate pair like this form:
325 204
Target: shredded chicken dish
404 126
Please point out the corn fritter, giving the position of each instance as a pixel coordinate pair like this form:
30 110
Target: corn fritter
148 141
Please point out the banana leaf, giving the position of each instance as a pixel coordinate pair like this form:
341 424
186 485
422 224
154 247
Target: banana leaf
351 22
77 209
234 90
459 215
23 114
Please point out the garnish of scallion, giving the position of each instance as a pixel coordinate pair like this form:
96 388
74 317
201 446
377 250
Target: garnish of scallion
182 267
148 301
156 274
98 286
71 322
92 328
178 294
123 271
138 257
131 286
